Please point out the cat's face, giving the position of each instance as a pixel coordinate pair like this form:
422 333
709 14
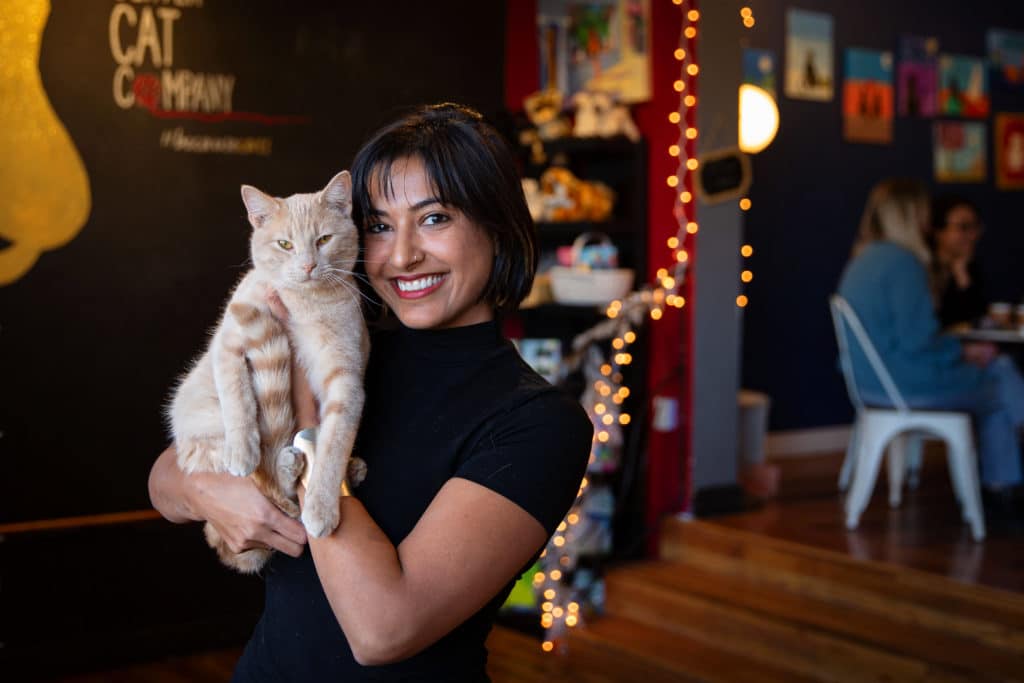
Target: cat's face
306 239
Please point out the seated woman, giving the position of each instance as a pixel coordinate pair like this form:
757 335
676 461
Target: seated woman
886 284
956 282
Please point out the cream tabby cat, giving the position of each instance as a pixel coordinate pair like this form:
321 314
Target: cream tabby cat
232 412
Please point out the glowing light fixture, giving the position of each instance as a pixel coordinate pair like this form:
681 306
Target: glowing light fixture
759 119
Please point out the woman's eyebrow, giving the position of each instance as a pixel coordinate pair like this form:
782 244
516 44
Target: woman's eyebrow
374 212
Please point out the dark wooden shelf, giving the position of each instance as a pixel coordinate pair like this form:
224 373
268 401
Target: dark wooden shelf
572 229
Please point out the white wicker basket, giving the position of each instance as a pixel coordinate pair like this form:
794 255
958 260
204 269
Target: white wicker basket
583 286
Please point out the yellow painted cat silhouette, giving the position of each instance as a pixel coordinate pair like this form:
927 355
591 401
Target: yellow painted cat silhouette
45 184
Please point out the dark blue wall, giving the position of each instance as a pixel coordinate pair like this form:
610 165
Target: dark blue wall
810 185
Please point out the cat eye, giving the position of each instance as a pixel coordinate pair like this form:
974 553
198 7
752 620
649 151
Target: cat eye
285 244
324 239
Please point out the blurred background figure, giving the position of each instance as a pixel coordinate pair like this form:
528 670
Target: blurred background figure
957 283
887 285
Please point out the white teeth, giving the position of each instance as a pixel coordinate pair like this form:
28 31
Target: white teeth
417 285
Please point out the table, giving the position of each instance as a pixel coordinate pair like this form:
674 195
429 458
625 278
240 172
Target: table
994 336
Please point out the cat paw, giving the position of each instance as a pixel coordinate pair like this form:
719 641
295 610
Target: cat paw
289 507
320 517
290 463
242 452
356 471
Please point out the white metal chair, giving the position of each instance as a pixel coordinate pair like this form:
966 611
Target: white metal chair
875 428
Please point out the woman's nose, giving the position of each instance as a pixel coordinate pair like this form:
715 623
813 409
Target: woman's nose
406 251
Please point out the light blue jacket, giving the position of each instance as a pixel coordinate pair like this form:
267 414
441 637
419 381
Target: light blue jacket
887 286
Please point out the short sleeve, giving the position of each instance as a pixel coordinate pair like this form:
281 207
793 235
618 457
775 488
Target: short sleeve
535 455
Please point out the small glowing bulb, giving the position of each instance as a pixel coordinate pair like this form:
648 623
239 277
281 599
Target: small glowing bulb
556 575
677 2
547 620
689 101
559 541
606 369
623 392
573 607
691 133
662 272
600 408
604 390
673 151
617 343
549 594
690 32
557 612
693 70
746 276
656 314
613 313
680 302
616 399
547 645
607 420
573 518
672 181
693 15
741 301
603 438
673 242
749 22
685 197
630 337
681 256
680 54
746 12
691 228
746 250
624 419
674 116
564 561
679 85
692 164
547 606
668 282
627 358
745 204
561 527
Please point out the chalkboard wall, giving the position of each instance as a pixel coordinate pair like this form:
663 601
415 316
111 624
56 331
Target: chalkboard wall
172 106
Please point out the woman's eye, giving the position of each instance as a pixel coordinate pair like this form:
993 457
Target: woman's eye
324 239
435 218
376 228
285 244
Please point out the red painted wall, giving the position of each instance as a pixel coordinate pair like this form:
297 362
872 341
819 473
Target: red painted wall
668 477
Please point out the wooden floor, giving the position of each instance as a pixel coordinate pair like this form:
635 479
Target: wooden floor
782 593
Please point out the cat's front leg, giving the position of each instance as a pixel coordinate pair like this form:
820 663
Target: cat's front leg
241 453
339 418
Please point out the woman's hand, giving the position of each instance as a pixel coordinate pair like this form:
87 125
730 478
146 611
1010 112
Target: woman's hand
980 353
242 515
303 400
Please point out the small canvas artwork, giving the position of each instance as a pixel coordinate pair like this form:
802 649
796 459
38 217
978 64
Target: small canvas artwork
809 68
1009 145
868 96
596 45
963 87
1006 54
917 76
544 356
759 69
959 151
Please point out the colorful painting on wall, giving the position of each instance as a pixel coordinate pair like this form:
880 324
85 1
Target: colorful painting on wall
1009 148
809 70
759 69
959 151
596 45
1006 54
917 75
868 96
963 87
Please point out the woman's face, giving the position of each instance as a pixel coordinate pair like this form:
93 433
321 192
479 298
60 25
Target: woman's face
956 239
428 262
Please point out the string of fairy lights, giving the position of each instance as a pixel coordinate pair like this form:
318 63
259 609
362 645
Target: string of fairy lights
606 391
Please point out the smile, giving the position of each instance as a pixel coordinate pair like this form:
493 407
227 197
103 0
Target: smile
414 289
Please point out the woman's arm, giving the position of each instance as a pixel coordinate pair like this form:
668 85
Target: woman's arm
241 514
393 602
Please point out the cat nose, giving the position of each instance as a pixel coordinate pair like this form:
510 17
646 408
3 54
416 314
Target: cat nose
309 268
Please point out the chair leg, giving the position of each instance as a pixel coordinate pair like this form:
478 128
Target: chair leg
915 458
871 448
965 462
851 457
897 467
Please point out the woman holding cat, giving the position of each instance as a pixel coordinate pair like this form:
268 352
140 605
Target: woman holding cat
472 458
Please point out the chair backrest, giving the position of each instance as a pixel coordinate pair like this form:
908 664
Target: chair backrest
844 318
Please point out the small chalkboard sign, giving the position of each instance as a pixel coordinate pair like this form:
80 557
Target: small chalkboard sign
723 175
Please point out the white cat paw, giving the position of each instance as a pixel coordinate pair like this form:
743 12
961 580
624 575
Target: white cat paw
290 463
242 452
320 517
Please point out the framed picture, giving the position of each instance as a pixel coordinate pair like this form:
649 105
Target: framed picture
963 87
759 68
917 76
596 45
959 151
868 96
1009 151
809 69
1006 54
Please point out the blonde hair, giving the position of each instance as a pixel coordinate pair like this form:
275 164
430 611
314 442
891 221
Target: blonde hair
897 212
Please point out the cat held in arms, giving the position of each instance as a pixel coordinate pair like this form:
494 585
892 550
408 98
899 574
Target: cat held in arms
232 412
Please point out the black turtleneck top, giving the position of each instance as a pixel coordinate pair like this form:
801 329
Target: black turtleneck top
439 404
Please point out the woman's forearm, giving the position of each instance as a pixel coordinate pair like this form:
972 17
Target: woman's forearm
168 489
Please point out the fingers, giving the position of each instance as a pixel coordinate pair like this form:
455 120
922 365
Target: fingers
286 545
277 307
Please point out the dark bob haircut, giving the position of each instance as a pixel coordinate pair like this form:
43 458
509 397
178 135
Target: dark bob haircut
471 169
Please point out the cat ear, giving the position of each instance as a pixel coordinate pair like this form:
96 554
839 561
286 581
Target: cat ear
260 206
338 193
